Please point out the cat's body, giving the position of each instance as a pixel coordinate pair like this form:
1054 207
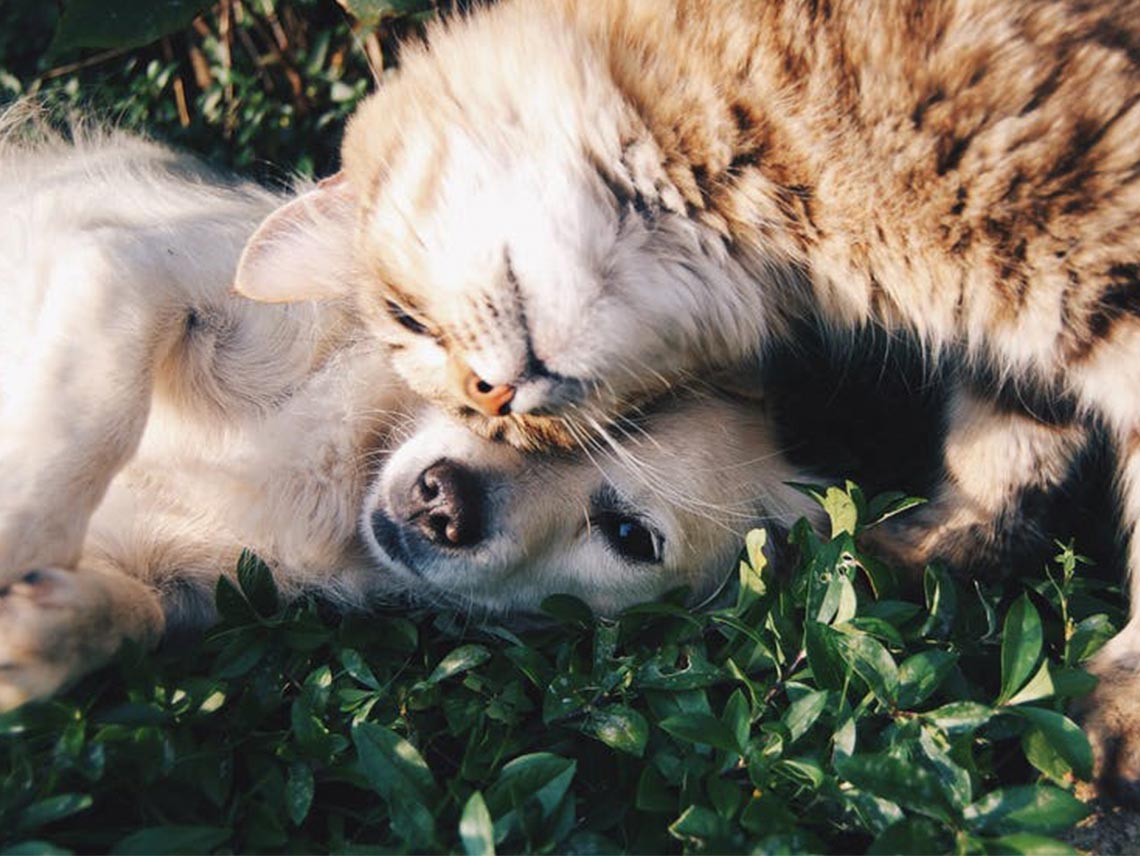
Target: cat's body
570 206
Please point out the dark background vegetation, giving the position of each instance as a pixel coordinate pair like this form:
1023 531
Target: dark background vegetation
263 87
823 709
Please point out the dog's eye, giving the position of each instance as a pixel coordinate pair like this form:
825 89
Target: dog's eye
405 320
629 537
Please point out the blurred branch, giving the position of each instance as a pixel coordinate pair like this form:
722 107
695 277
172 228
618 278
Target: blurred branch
86 62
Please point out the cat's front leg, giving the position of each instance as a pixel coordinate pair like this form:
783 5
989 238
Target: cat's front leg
1111 714
997 461
57 625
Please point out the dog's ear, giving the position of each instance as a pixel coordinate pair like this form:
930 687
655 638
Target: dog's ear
299 251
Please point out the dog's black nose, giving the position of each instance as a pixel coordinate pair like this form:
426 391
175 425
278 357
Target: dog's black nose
446 505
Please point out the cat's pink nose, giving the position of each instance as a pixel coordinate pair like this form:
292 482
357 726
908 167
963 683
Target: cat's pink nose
488 399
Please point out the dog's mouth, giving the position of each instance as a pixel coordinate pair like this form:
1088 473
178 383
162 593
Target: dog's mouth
387 535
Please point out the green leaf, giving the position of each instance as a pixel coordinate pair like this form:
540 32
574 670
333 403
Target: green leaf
619 727
371 12
34 848
653 792
725 794
887 505
911 835
754 543
848 601
841 510
566 696
1064 736
52 809
956 784
1040 753
1070 682
805 772
701 728
390 762
694 672
821 645
256 582
737 717
475 828
752 583
1030 845
881 630
1026 808
705 829
960 716
397 771
803 712
358 669
898 780
299 788
172 839
121 23
920 675
873 663
532 664
1088 637
542 777
941 602
231 603
462 659
568 610
1020 646
1039 687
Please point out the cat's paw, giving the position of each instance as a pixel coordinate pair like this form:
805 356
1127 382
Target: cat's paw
54 626
912 542
1111 718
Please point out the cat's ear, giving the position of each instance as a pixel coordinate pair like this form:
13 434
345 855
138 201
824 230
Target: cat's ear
300 250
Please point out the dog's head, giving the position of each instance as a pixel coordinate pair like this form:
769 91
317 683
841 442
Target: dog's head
459 519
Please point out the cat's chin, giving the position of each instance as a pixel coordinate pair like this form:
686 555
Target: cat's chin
524 431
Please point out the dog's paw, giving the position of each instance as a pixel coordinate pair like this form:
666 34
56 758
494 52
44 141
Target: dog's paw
54 626
1111 718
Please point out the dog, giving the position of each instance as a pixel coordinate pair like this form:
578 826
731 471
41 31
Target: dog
155 424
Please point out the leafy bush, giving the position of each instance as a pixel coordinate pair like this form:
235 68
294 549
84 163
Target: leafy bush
825 711
260 86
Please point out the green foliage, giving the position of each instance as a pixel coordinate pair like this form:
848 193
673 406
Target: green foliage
261 86
824 710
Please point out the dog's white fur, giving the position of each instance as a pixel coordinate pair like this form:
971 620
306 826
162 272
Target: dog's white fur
155 424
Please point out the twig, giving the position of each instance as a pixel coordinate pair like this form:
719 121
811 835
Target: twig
375 55
225 35
79 65
179 86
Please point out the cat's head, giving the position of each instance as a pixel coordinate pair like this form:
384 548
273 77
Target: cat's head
508 228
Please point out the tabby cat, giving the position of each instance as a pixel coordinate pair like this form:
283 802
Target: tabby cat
556 209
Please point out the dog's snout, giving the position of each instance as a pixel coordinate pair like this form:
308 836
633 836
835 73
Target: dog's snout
446 505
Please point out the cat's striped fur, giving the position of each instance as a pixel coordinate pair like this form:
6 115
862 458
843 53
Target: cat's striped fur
577 204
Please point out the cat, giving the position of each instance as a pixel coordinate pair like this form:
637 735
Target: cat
554 210
155 425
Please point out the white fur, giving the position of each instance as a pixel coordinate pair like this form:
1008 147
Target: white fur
155 424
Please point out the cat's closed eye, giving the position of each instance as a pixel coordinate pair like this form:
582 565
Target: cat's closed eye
405 319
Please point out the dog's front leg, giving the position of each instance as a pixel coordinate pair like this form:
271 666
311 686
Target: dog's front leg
82 333
57 625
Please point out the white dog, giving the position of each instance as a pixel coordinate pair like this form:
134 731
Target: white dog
154 424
